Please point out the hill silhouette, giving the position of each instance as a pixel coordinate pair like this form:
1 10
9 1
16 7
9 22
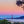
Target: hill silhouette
21 17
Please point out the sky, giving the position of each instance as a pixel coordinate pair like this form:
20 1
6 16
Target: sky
8 7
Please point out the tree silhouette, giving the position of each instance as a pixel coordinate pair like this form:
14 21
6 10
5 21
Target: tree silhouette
4 22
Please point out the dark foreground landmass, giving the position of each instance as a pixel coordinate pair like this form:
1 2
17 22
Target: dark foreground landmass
7 22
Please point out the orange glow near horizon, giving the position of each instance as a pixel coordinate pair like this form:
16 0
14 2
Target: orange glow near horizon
10 8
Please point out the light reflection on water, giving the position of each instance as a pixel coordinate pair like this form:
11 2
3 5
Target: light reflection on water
16 20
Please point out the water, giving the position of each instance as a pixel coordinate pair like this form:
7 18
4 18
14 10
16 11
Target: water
16 20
